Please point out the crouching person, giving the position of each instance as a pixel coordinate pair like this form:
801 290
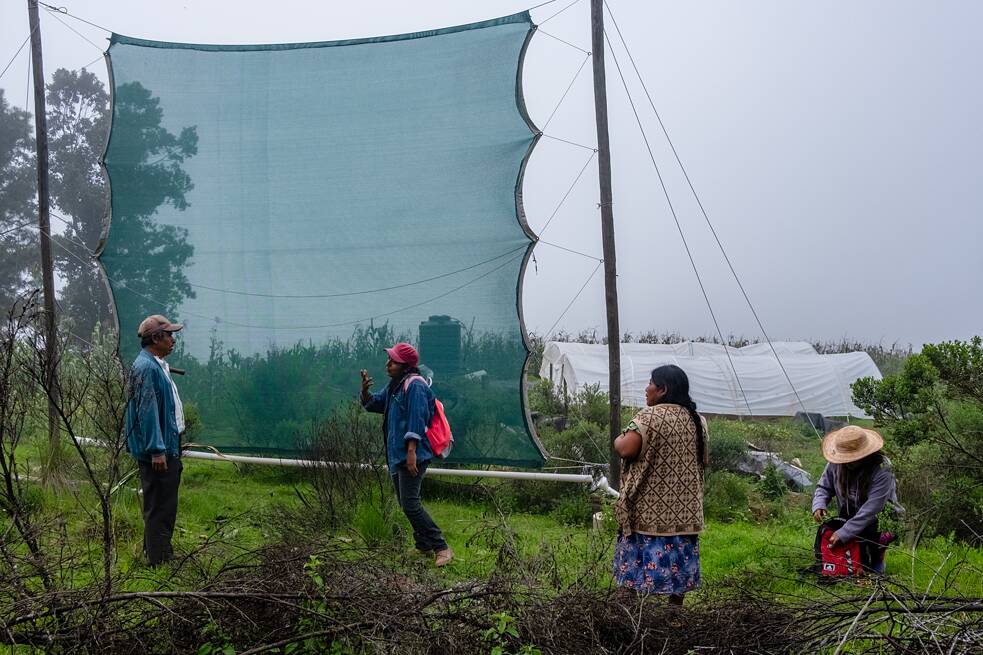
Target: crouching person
860 477
154 423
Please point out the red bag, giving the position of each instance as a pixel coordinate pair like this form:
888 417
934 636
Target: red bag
836 561
439 433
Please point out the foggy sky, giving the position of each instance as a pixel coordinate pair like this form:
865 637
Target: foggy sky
835 146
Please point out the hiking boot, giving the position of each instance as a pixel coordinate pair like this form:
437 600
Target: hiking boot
444 557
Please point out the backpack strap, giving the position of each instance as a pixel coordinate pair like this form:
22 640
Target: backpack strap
411 378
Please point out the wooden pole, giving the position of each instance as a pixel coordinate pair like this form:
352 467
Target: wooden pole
44 222
607 236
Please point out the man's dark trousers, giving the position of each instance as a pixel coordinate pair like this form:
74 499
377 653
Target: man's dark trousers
159 509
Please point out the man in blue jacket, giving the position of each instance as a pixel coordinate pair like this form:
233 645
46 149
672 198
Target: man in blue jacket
154 423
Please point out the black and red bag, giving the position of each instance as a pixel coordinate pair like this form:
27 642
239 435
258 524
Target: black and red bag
841 560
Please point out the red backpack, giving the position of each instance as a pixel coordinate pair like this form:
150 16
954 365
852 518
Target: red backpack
439 433
836 561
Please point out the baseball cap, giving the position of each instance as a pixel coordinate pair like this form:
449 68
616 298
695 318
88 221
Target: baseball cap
156 323
404 353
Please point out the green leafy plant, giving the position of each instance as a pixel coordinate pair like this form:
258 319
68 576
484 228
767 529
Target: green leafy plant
726 497
933 410
218 642
773 485
374 521
502 632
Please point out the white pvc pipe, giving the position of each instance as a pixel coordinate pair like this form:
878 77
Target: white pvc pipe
599 484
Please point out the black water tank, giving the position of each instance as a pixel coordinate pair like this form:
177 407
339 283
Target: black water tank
440 345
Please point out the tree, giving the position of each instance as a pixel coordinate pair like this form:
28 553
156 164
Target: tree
78 125
934 410
145 259
18 202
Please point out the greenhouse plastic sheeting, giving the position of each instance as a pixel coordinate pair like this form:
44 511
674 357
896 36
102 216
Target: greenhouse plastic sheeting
821 382
301 206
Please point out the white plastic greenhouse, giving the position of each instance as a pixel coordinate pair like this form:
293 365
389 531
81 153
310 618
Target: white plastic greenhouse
822 381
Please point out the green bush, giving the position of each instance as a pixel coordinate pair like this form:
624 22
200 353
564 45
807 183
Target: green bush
375 523
726 497
582 441
591 404
544 398
933 409
772 485
727 445
573 509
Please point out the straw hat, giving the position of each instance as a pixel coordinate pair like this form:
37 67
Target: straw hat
850 444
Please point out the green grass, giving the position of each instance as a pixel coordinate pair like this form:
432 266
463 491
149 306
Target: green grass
233 506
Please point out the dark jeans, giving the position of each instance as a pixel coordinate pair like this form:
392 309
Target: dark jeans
159 509
426 534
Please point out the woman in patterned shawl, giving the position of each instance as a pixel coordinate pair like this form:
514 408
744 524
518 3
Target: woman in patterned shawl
660 510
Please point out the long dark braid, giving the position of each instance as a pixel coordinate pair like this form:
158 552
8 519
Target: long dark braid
676 384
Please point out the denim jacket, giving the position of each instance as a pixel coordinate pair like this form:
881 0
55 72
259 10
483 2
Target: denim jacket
407 415
151 428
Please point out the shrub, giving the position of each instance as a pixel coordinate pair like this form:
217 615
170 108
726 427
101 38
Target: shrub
582 441
374 521
573 509
350 442
591 404
727 446
726 497
544 398
772 485
934 411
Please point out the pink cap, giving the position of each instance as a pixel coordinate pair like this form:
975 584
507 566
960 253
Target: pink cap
404 353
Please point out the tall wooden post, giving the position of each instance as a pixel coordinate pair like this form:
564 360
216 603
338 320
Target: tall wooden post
44 222
607 235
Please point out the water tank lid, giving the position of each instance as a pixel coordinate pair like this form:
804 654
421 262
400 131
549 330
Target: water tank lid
442 318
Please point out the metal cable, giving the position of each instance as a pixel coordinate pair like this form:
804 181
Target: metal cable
679 227
54 14
573 143
17 227
567 194
64 10
571 250
574 299
30 80
706 216
102 58
7 67
552 36
546 20
296 327
314 296
569 86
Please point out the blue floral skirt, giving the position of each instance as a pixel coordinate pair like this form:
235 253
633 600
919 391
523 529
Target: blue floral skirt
657 565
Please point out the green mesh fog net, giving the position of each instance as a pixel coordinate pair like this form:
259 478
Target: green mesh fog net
301 206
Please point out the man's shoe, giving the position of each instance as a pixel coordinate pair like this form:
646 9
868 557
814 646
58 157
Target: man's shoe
444 557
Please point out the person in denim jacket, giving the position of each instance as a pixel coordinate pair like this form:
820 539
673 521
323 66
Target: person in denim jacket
154 423
407 406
